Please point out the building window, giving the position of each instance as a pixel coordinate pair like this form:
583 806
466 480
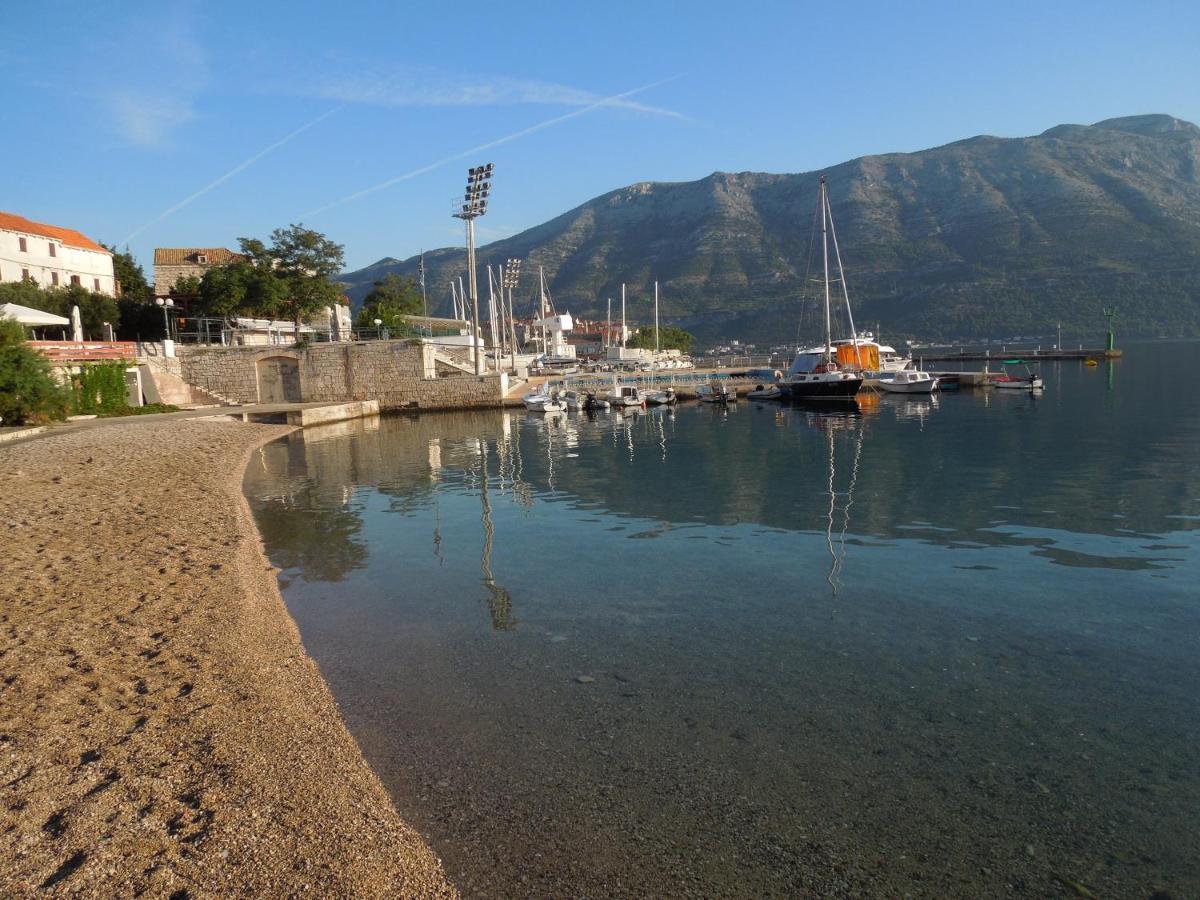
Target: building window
53 252
74 279
96 284
25 272
24 246
54 278
202 259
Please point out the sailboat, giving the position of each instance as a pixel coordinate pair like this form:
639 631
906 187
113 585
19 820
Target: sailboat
816 374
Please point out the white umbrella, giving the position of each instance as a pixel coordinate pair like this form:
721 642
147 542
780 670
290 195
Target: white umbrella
76 324
30 317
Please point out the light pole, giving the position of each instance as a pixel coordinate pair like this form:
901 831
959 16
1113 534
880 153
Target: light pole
379 332
474 205
165 303
512 274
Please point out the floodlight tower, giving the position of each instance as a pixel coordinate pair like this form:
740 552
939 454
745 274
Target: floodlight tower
474 205
512 274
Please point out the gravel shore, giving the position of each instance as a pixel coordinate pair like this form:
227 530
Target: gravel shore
162 732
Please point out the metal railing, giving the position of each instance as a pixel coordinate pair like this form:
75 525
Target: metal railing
85 351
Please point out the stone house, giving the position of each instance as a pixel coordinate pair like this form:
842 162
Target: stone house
173 263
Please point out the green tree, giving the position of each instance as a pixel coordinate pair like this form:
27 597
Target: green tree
94 310
240 288
28 392
669 338
305 261
390 301
27 293
185 287
131 280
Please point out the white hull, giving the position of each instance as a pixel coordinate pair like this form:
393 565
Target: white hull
1021 385
545 405
910 383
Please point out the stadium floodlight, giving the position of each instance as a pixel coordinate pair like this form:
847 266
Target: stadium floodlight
474 205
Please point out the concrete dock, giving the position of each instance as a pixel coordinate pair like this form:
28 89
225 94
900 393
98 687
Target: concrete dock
1035 354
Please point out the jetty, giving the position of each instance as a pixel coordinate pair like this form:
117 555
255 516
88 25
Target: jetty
1030 354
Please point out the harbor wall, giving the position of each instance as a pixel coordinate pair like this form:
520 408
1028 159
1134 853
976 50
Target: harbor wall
397 374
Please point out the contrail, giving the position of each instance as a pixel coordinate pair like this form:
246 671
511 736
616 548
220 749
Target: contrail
241 167
496 143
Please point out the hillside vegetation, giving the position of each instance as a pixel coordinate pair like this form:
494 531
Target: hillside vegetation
984 237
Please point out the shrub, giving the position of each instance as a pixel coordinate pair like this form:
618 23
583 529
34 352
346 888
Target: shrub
28 392
99 388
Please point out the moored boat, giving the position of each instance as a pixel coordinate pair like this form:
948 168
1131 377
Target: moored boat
545 399
661 398
909 381
827 373
764 392
1029 381
716 392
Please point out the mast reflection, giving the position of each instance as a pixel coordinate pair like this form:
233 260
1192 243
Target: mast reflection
499 600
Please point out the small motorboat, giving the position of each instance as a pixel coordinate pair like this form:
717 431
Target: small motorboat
545 399
909 381
764 392
1029 381
661 398
626 395
716 392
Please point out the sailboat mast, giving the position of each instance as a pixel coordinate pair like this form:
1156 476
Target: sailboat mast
837 254
500 311
622 316
608 327
491 309
656 318
542 306
825 254
424 299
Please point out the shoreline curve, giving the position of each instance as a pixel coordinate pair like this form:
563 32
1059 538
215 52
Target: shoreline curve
162 730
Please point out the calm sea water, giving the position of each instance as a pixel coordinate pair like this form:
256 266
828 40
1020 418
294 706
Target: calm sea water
935 648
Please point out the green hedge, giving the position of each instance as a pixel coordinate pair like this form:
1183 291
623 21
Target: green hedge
99 388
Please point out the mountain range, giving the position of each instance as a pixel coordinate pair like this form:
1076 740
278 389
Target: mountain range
984 237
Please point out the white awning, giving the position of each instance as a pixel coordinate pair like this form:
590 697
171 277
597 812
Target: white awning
33 318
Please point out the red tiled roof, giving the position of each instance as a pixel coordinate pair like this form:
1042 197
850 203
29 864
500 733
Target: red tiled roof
185 256
67 236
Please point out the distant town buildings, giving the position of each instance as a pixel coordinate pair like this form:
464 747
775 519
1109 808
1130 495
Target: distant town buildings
52 256
173 263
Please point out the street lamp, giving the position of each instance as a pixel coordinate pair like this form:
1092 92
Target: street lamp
166 303
512 274
474 205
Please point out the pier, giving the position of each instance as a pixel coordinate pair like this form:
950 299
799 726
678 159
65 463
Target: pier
1028 354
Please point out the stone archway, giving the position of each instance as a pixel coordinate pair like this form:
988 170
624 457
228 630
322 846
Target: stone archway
278 379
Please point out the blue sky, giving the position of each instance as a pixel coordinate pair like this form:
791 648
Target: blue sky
119 112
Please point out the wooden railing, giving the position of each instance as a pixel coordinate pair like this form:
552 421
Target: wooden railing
86 351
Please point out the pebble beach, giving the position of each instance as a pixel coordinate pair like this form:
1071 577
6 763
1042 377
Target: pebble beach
162 731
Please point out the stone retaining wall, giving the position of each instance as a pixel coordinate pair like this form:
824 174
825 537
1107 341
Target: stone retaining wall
398 374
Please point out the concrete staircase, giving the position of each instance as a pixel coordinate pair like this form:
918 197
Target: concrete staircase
162 382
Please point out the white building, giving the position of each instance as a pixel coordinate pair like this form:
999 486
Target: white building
53 256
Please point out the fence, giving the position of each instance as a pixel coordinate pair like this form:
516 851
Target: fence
85 351
218 332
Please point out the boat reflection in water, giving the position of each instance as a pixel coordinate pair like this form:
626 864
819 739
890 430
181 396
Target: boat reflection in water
848 421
